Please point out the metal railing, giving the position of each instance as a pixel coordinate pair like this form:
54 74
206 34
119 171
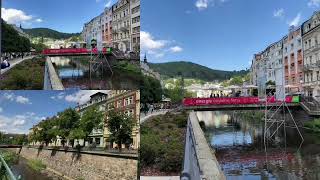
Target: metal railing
7 170
311 103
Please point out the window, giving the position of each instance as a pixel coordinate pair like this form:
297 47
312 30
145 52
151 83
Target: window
119 103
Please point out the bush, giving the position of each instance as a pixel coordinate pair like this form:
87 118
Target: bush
36 165
150 148
172 157
182 121
27 75
313 125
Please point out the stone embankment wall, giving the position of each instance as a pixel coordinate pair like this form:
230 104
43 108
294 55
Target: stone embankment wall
86 165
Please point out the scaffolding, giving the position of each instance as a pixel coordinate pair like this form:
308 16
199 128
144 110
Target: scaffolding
97 61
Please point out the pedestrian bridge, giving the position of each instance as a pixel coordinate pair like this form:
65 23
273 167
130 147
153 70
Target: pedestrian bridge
236 103
109 52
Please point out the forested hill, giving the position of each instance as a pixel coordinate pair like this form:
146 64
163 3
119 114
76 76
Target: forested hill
192 70
49 33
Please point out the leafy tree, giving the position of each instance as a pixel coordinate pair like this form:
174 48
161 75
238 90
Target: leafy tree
120 126
151 90
39 47
11 40
66 121
91 119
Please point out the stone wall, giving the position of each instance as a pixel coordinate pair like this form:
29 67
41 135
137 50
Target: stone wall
86 165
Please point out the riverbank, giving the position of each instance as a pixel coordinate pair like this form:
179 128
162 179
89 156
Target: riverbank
162 144
28 75
25 169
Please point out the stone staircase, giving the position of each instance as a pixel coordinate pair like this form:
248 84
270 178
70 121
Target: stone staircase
310 105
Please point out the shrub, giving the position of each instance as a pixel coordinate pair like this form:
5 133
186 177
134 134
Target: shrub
150 148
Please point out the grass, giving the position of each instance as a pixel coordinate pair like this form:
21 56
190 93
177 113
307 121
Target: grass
10 158
27 75
314 125
162 144
36 165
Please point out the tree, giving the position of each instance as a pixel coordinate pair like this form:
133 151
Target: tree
91 119
66 121
151 90
120 126
11 40
39 47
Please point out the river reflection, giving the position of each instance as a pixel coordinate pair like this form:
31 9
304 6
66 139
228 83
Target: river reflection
241 152
75 72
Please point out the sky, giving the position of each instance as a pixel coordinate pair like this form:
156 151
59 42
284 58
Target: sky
20 110
220 34
66 16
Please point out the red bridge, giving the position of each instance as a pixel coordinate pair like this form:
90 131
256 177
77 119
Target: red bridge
235 103
74 51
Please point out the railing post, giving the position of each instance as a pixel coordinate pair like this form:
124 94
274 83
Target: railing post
8 170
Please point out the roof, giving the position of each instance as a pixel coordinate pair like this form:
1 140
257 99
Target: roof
98 93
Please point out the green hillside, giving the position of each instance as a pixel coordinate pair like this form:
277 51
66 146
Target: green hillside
192 70
49 33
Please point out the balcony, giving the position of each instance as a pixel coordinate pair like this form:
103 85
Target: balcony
125 28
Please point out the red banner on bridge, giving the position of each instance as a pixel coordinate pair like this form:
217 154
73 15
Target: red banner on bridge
220 101
230 101
71 51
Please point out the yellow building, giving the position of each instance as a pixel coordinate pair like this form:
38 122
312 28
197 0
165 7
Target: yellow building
126 101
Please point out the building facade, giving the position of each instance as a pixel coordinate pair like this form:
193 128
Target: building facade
311 50
118 27
135 25
107 27
300 60
128 102
121 26
99 100
276 69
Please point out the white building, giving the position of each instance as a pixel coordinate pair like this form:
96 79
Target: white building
276 68
135 25
311 60
121 25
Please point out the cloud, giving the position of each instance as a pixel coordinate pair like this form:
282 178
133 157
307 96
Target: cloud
39 20
22 100
109 3
1 110
20 123
149 43
19 99
82 96
59 96
314 3
295 21
156 47
202 4
176 49
279 13
15 16
9 96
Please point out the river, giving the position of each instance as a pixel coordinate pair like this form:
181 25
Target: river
21 168
239 147
75 72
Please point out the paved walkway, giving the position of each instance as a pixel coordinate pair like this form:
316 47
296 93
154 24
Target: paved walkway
14 62
159 178
144 117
